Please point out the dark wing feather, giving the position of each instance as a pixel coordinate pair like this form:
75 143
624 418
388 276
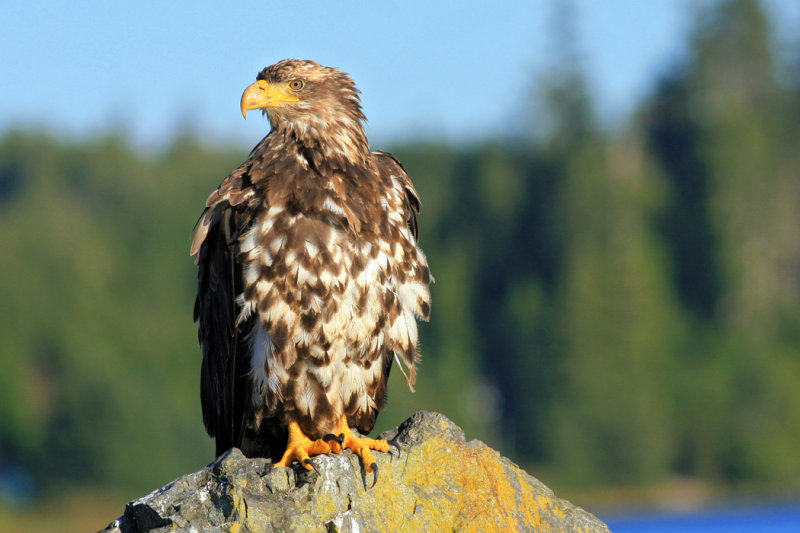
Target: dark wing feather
389 163
225 387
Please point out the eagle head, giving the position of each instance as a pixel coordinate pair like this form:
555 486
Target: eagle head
319 105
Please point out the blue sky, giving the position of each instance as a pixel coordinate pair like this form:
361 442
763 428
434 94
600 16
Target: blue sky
459 70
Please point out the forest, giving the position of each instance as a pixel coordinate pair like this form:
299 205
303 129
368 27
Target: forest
612 306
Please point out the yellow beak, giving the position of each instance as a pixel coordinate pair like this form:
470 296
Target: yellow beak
261 94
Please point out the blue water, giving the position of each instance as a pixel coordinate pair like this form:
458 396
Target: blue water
772 519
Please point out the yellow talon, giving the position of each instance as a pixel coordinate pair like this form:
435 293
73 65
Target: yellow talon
361 446
300 448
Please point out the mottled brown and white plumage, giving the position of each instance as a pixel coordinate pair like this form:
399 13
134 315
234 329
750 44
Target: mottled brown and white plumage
310 278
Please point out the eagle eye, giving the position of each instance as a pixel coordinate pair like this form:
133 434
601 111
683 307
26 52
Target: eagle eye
296 85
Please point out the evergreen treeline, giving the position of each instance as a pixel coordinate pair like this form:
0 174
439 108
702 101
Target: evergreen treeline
609 308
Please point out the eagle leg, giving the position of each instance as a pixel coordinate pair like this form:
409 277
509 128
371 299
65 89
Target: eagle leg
300 448
361 446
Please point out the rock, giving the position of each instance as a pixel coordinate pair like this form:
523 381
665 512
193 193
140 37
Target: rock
433 481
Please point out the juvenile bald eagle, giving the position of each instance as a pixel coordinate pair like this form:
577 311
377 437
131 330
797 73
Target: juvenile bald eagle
310 279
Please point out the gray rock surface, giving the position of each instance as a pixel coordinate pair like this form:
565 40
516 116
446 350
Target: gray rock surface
432 481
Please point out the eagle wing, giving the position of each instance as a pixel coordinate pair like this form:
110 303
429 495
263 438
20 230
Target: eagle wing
393 167
225 387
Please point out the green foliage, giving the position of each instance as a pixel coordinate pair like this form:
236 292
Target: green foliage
96 328
618 322
613 308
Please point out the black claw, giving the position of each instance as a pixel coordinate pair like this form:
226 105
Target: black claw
338 438
374 468
308 462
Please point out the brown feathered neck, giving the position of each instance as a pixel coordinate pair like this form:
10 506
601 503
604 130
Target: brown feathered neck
327 124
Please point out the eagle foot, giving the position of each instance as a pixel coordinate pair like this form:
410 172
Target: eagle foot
362 446
300 448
